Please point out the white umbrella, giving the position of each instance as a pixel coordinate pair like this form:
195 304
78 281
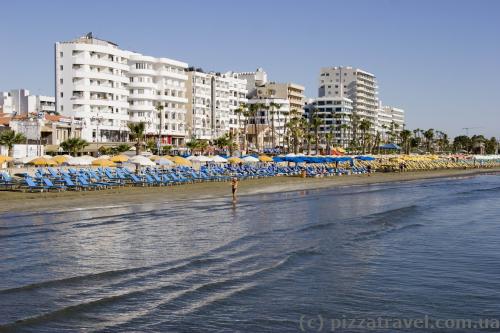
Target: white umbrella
190 157
79 161
141 160
87 157
164 161
219 159
201 158
104 157
290 155
24 160
250 159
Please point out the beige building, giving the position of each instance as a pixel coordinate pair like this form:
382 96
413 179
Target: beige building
293 92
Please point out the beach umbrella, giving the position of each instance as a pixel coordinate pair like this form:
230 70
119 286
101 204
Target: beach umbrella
219 159
181 161
265 158
164 161
200 159
250 159
104 157
290 155
88 157
234 160
4 159
42 161
103 163
119 158
155 157
78 161
141 160
24 160
60 159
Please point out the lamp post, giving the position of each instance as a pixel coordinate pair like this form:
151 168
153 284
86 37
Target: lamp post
97 118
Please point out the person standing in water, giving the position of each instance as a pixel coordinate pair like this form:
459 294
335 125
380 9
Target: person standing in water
234 187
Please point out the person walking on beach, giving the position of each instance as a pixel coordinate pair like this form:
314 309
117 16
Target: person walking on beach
234 187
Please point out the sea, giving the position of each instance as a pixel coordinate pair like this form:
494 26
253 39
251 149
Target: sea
411 256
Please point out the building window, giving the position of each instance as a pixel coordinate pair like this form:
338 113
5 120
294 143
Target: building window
61 67
61 94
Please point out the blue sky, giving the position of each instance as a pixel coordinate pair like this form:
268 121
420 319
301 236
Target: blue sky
439 60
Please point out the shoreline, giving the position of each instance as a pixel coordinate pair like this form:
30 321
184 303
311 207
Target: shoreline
18 202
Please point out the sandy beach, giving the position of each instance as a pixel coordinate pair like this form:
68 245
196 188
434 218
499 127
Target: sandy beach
24 202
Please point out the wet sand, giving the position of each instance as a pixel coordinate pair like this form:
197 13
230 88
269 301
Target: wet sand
32 202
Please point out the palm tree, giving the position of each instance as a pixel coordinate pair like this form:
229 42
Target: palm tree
253 112
272 109
74 145
329 140
364 127
10 138
316 123
137 131
309 139
345 139
159 108
405 136
429 138
239 112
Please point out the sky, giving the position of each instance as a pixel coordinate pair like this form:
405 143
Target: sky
439 60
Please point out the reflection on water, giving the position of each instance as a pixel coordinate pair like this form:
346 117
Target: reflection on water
256 265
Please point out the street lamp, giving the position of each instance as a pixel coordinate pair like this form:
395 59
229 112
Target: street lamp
97 118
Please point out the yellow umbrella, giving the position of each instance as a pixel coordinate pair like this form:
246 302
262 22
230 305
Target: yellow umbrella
42 161
234 160
4 159
154 157
119 158
339 149
265 158
103 163
181 161
60 159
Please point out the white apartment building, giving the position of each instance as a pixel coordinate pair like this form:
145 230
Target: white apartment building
267 118
336 114
20 101
158 82
91 77
390 119
212 100
357 85
254 80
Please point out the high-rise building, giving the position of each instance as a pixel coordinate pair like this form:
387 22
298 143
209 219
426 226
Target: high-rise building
157 97
20 101
357 85
91 77
293 92
212 100
335 112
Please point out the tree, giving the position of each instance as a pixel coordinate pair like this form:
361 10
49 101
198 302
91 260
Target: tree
329 140
296 126
74 145
273 107
197 145
364 127
405 136
166 149
491 146
151 145
253 112
316 123
462 142
121 148
241 111
137 132
10 138
429 138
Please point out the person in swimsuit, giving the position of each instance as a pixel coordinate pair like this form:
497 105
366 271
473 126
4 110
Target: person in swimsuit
234 187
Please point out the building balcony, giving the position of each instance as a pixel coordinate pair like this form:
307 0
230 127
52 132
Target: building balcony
81 73
81 60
